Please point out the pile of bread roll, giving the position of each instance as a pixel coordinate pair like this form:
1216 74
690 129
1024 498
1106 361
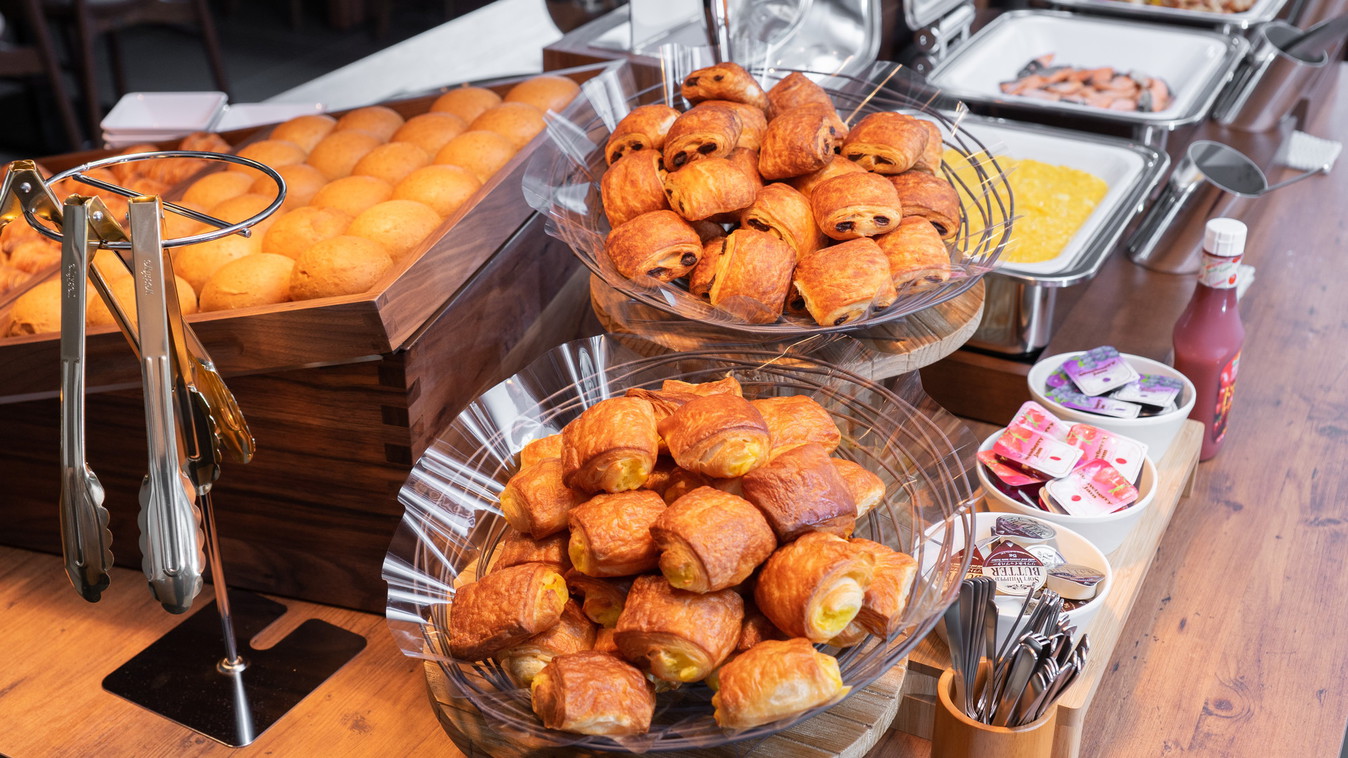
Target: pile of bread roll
675 536
768 203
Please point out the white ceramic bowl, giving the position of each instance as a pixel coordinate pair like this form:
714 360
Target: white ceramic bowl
1074 547
1156 432
1106 532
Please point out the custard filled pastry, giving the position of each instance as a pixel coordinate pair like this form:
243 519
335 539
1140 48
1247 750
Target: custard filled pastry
708 187
680 636
815 586
611 446
634 185
544 447
801 491
710 540
516 548
701 133
917 254
659 244
644 128
752 121
611 534
681 482
726 385
929 197
604 642
664 403
536 502
930 162
856 205
602 600
782 211
504 608
836 165
794 91
867 489
593 693
773 680
886 143
800 141
887 596
794 420
752 277
704 273
717 435
572 634
756 628
839 284
724 81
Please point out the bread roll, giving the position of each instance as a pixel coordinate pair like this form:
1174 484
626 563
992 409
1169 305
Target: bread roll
430 131
482 152
213 189
378 120
274 153
306 131
443 188
261 279
303 228
517 122
466 102
198 263
302 183
37 311
352 194
343 265
544 92
96 312
398 225
339 152
392 162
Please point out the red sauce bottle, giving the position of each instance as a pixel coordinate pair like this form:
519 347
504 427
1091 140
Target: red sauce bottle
1209 334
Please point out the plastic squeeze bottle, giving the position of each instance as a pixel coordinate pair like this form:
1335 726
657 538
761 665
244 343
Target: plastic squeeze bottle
1208 335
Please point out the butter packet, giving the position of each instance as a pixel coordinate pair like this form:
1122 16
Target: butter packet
1100 370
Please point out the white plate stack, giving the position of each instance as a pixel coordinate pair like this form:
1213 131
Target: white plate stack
155 116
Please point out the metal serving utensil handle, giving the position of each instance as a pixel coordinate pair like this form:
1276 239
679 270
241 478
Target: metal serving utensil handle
171 538
85 539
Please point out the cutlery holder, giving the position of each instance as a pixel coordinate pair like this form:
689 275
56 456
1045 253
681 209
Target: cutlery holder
955 735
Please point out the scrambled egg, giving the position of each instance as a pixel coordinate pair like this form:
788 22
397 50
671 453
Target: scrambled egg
1051 204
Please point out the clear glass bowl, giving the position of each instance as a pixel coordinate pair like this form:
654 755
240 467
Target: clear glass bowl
452 521
562 182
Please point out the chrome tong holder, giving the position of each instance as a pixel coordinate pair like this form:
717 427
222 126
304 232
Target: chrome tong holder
939 39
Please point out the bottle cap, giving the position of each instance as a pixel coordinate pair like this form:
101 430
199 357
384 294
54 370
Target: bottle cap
1224 237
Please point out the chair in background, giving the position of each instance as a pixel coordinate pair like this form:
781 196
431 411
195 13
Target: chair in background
38 58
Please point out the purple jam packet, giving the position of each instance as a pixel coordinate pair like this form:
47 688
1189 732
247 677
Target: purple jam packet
1034 416
1123 453
1098 371
1057 379
1150 389
1104 406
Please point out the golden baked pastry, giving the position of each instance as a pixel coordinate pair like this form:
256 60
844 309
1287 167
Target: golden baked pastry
839 284
887 596
929 197
699 134
886 142
504 608
611 447
633 185
681 482
800 491
703 274
659 244
930 162
753 276
644 128
794 420
756 627
710 540
815 586
752 121
536 502
544 447
592 693
571 634
544 92
798 142
782 211
724 81
747 161
705 188
679 636
604 642
856 205
516 548
611 534
773 680
726 385
852 635
794 91
867 489
717 435
603 599
917 254
663 403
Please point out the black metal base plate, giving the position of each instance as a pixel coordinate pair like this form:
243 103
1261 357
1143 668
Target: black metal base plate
177 676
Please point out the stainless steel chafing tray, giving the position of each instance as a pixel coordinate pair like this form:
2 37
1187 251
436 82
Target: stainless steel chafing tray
1261 12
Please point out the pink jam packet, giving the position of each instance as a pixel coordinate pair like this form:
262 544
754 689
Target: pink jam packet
1007 475
1123 453
1034 416
1100 370
1035 453
1095 489
1103 406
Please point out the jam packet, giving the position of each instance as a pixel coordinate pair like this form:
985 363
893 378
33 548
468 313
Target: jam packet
1035 453
1095 489
1058 379
1005 474
1104 406
1034 416
1152 390
1098 371
1123 453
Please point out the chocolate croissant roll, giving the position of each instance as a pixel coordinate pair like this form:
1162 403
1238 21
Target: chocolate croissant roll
704 273
517 548
930 162
929 197
602 600
717 435
544 447
536 502
681 636
644 128
710 540
815 586
794 420
726 385
709 187
867 489
724 81
659 244
773 680
784 213
745 160
835 166
701 133
504 608
886 143
611 534
794 91
753 276
887 596
572 634
839 284
856 205
797 142
752 121
801 491
917 254
593 693
633 185
611 446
